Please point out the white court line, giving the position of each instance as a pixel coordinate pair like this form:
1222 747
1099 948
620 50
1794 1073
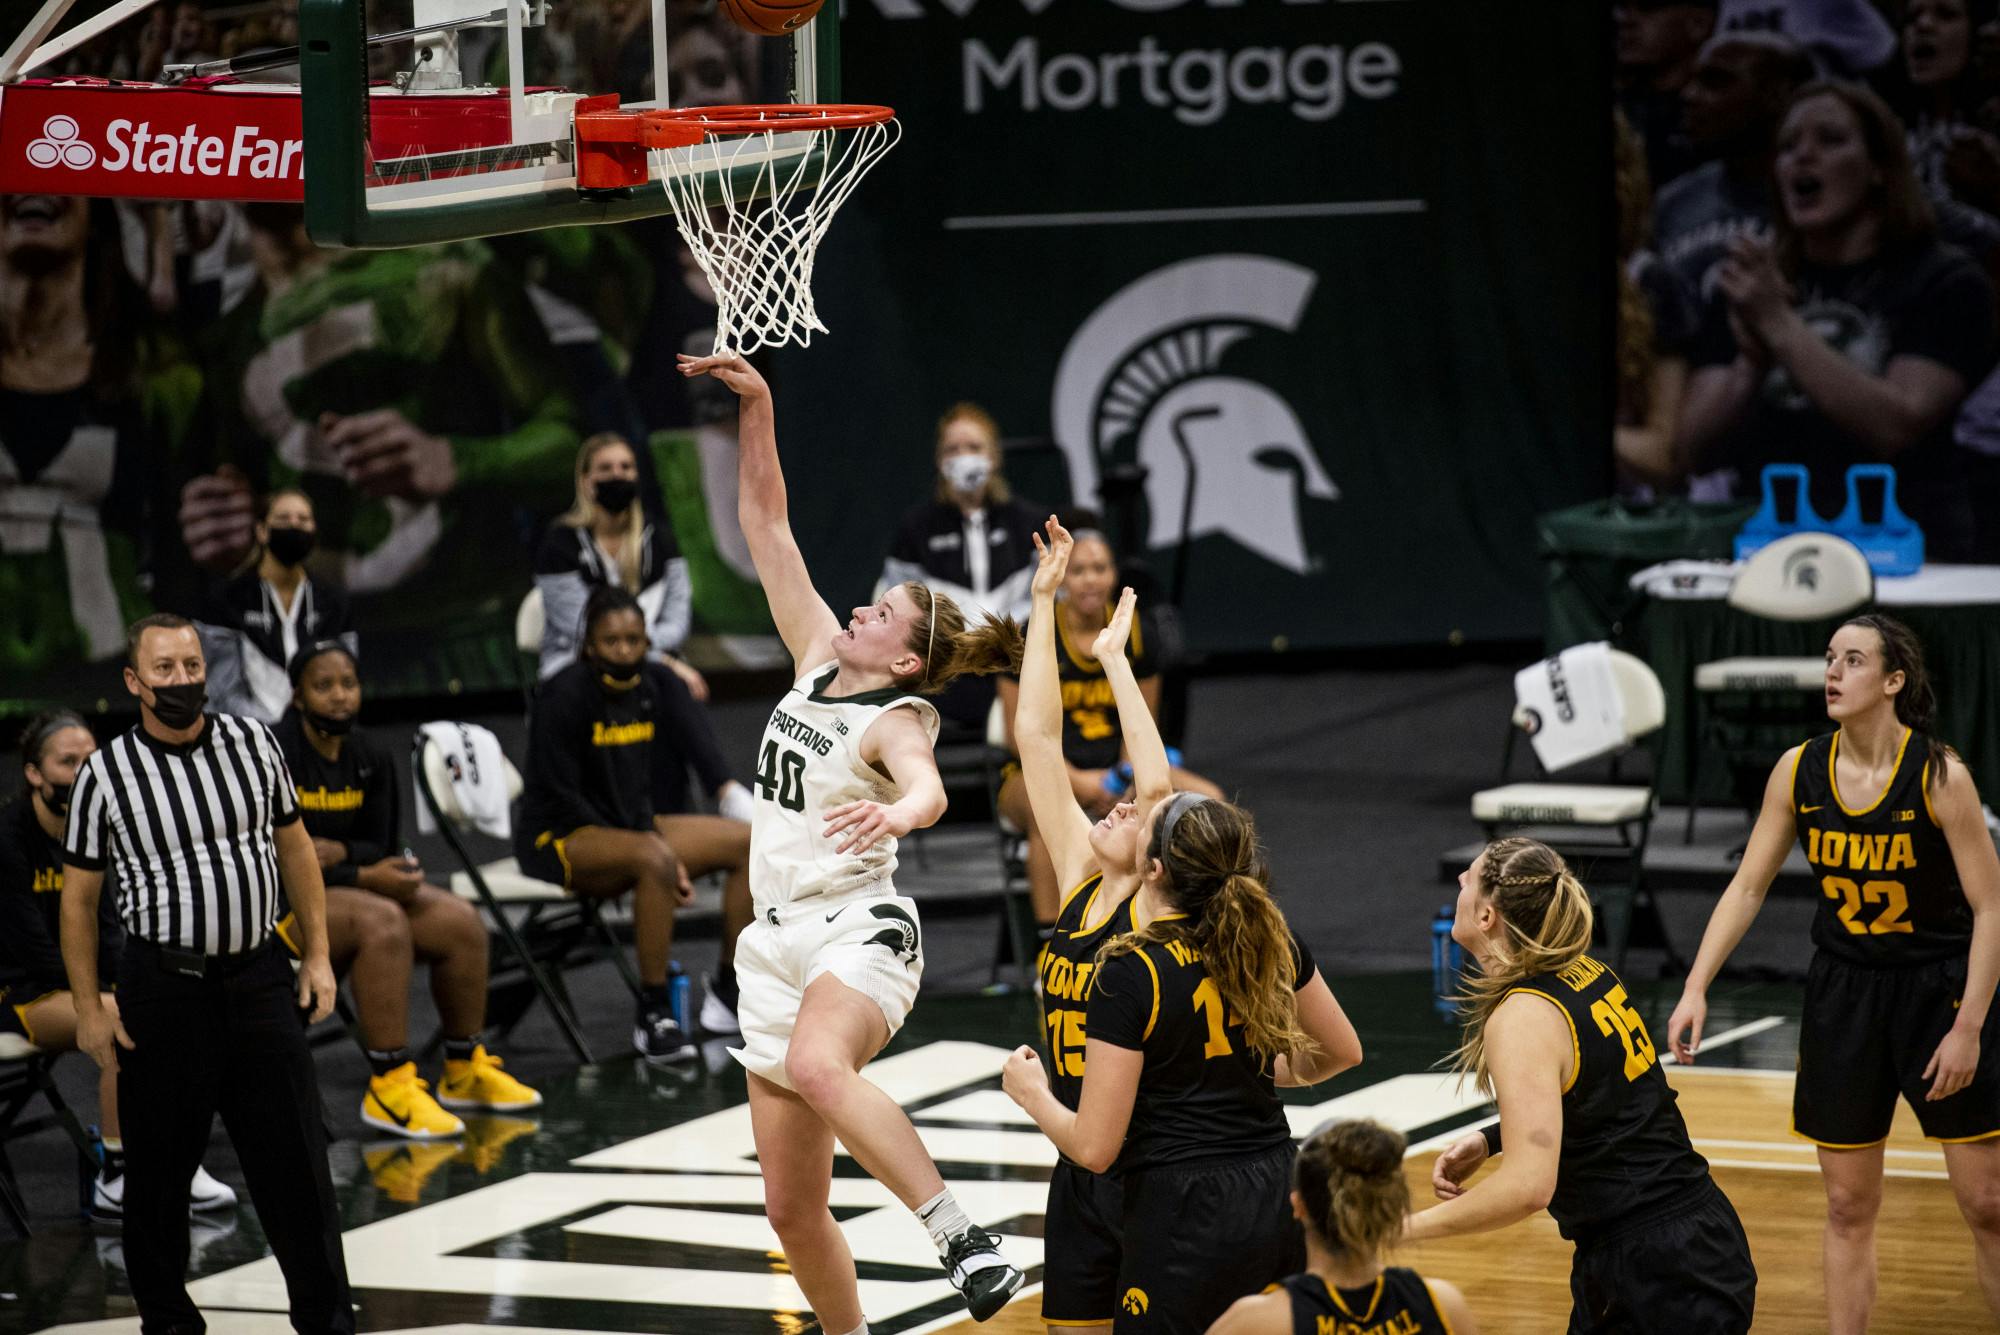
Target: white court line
1723 1039
1359 208
1928 1174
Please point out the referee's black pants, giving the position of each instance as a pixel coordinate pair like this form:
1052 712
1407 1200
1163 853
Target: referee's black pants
229 1041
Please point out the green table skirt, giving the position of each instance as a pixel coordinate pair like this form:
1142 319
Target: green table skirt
1961 647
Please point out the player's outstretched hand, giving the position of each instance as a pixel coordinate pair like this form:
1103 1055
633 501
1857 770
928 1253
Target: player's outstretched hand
862 823
1684 1026
1954 1063
730 369
1053 556
1023 1077
1460 1160
1111 641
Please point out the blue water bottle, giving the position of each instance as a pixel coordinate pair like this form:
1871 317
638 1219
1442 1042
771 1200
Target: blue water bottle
677 994
1447 959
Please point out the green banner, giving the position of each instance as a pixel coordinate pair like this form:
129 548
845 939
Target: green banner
1335 275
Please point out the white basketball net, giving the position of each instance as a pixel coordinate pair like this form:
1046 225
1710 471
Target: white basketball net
753 209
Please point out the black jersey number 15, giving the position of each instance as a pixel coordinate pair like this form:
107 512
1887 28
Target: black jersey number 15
781 777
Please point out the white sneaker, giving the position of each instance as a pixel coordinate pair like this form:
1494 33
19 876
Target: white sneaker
716 1015
107 1197
205 1193
735 803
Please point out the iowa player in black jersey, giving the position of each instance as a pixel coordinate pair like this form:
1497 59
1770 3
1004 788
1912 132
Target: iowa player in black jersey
1588 1122
1094 721
1349 1192
1907 952
1192 1019
1082 1222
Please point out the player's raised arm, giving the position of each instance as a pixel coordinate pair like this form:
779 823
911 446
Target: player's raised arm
1038 721
1770 840
804 620
1152 772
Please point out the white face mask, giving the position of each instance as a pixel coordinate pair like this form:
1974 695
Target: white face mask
966 473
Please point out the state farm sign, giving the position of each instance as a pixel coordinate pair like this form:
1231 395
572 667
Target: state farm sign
152 143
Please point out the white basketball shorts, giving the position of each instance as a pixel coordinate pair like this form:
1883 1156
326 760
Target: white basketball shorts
870 940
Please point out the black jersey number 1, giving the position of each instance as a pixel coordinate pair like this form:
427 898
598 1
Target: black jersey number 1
781 777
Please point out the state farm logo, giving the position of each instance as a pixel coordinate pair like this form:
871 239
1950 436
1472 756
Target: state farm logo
60 146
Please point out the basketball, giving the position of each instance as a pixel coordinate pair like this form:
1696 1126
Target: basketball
770 18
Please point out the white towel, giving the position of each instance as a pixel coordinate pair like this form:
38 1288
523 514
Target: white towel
1570 706
478 776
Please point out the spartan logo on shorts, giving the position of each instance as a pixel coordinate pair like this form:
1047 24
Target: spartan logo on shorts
900 936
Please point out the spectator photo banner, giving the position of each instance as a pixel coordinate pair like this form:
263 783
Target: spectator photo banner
1334 275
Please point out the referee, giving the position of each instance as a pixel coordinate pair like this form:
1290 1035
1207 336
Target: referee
198 815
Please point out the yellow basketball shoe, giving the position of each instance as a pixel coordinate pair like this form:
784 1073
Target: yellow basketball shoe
481 1084
401 1104
401 1170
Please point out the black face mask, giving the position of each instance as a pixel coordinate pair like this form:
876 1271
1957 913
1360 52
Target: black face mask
616 677
289 546
326 724
57 797
616 494
177 707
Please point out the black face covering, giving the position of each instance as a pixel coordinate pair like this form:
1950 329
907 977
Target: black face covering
616 494
616 677
178 707
57 797
291 545
326 724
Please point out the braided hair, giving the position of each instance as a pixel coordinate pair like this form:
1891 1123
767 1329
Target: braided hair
1548 920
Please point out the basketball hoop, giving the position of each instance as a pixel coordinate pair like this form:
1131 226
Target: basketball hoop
753 200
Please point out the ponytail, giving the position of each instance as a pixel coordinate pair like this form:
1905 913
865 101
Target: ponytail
1349 1176
1548 920
1216 877
1916 703
952 649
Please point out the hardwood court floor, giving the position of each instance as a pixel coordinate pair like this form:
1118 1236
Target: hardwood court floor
1517 1280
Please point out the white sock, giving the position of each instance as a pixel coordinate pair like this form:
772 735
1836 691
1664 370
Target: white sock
861 1329
943 1217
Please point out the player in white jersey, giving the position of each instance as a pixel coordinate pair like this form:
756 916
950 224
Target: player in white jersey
830 964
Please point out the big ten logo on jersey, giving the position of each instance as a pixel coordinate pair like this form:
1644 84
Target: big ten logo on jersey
1845 851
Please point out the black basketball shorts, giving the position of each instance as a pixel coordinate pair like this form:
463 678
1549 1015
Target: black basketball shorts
1081 1247
1687 1269
1199 1236
1865 1038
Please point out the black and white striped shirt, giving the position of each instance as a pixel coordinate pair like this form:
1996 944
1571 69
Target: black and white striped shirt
191 830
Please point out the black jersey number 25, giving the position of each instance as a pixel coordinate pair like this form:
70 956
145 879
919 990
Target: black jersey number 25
781 777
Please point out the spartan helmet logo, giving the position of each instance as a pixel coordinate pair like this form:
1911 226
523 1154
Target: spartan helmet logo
1802 568
1141 381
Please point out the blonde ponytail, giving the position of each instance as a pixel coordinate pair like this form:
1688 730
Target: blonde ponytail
1349 1176
1547 917
951 648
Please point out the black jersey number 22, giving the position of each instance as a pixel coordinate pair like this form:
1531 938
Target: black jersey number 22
781 777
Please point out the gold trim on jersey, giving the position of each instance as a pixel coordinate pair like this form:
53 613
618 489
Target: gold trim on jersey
1833 776
1436 1306
1154 1018
1962 1140
1101 1321
1835 1145
1924 787
1077 889
1374 1299
1798 754
1135 642
1575 1044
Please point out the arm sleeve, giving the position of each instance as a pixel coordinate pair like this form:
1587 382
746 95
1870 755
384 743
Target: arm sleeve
1124 1001
558 769
284 791
691 738
24 936
84 837
669 630
1303 964
1951 324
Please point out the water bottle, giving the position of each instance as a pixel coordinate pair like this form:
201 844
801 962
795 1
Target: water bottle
1447 959
677 994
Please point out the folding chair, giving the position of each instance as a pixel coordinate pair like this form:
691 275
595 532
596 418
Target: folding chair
25 1073
1595 826
553 919
530 620
1749 708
